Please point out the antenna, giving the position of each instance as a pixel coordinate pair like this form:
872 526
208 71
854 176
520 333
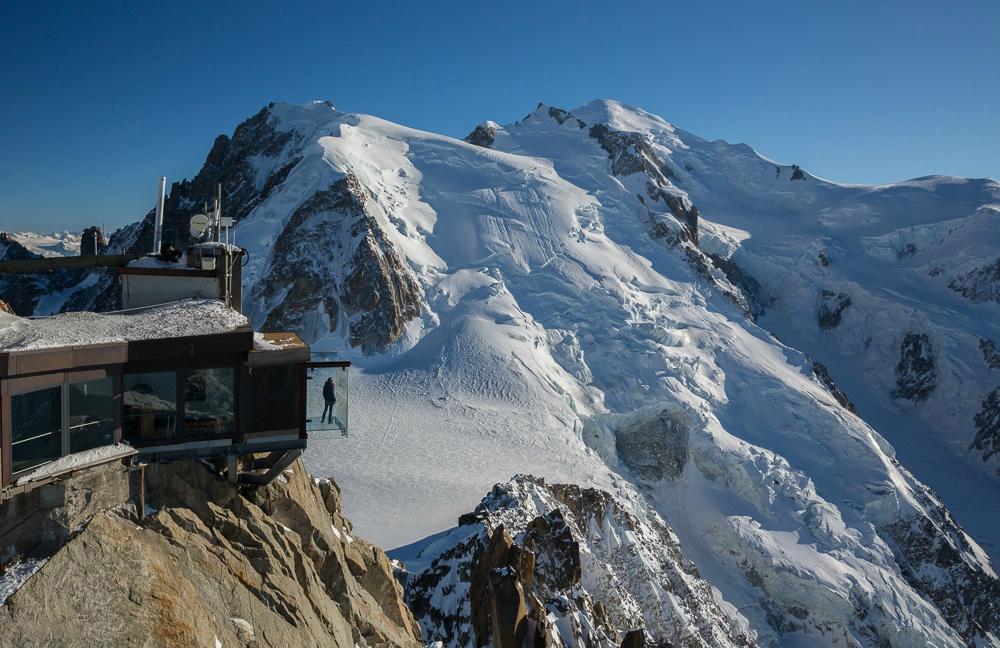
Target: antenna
218 213
158 226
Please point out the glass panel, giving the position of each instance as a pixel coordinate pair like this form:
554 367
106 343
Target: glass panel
326 399
149 406
36 428
209 403
91 414
271 399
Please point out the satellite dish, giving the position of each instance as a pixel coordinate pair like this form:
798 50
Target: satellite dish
199 223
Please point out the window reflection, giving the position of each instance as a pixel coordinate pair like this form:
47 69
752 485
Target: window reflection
91 414
209 404
36 428
149 406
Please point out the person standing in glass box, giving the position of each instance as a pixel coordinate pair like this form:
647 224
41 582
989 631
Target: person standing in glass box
330 398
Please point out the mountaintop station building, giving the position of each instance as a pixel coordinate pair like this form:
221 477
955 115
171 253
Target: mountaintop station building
185 379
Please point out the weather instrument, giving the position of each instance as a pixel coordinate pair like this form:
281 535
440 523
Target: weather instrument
199 224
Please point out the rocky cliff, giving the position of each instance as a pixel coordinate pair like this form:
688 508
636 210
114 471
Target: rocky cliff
214 565
558 565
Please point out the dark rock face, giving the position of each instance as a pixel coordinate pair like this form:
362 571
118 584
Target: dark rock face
823 374
92 241
988 425
629 152
562 116
990 353
519 560
656 448
500 576
373 290
916 376
634 639
979 285
797 173
831 308
482 135
687 214
933 554
756 298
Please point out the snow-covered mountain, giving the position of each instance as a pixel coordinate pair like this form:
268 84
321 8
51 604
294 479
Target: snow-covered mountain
56 244
761 365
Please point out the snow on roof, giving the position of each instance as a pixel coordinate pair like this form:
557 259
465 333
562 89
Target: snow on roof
79 460
177 319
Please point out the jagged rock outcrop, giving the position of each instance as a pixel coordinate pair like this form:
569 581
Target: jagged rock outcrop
916 375
230 162
981 284
797 173
990 353
755 298
988 425
92 241
308 285
831 308
559 565
937 559
275 566
632 153
483 134
823 374
562 116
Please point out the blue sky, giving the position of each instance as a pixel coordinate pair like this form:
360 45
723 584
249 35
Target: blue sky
100 98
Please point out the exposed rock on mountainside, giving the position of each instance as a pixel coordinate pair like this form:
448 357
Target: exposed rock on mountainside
756 298
990 353
239 163
271 567
981 284
915 373
831 308
988 425
375 290
92 241
561 565
482 135
932 552
824 377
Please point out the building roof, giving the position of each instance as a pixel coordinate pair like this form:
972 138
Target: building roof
192 317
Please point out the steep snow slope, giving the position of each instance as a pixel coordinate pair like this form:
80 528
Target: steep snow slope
537 301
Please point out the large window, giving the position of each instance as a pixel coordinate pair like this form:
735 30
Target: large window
166 405
209 402
91 414
270 399
36 428
149 406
